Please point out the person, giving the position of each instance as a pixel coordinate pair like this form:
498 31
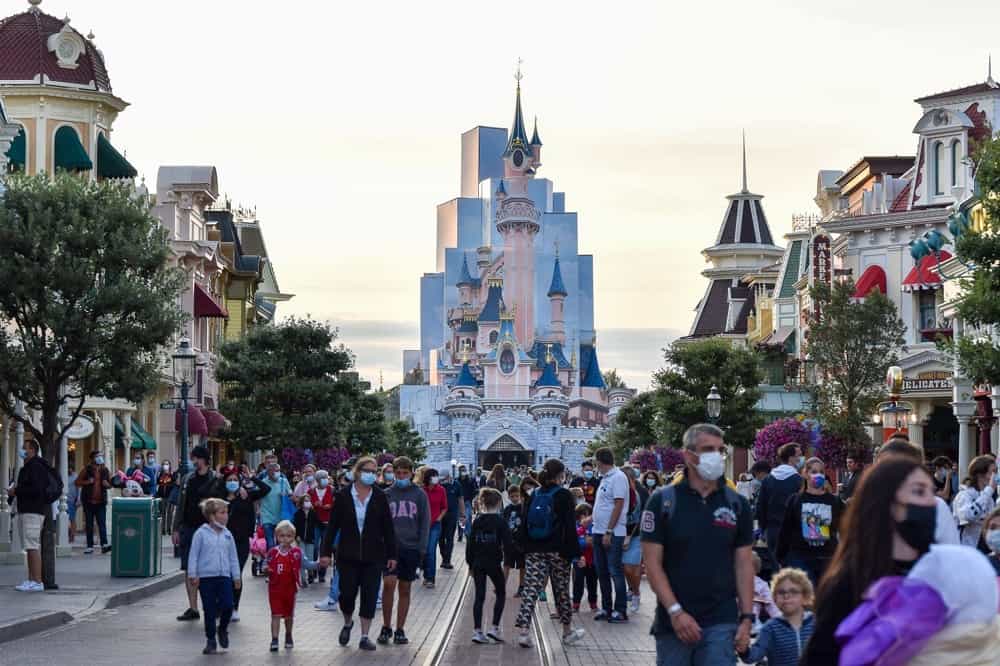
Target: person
809 531
387 477
697 536
271 504
489 541
515 559
284 567
307 483
94 483
976 499
854 468
783 638
775 491
213 569
29 490
547 535
610 527
763 602
140 473
196 486
481 477
946 528
321 498
241 492
362 521
497 479
152 469
888 525
991 539
650 481
587 482
72 500
760 470
449 524
166 483
411 520
942 478
438 501
632 545
304 521
469 490
584 574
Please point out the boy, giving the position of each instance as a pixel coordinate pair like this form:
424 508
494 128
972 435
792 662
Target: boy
214 570
304 522
284 566
783 639
512 517
584 572
488 542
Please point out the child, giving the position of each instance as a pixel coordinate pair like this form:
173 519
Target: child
512 517
284 566
258 551
304 522
584 572
782 639
991 537
488 542
578 498
762 600
214 569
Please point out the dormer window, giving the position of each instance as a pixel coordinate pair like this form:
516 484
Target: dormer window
938 165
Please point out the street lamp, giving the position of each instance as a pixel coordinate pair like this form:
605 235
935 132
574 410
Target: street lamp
184 369
713 405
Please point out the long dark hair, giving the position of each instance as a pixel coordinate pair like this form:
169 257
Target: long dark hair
551 470
864 553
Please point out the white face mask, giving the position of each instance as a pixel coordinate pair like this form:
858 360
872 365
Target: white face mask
711 465
993 540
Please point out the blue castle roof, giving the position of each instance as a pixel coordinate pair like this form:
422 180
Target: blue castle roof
494 303
538 352
557 288
465 377
518 134
549 377
590 369
535 141
465 278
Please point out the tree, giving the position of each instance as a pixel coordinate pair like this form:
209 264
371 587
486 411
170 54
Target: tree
979 355
87 300
851 345
633 429
286 385
405 441
613 380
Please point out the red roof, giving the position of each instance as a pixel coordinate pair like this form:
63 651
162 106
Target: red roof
900 203
873 278
924 275
24 53
966 90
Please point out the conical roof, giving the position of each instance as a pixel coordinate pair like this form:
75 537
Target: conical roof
518 133
465 377
557 288
464 278
549 377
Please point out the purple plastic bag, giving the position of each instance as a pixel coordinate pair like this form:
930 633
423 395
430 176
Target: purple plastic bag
897 617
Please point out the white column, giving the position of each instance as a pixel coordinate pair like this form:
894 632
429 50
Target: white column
917 434
965 445
62 522
41 140
5 478
108 448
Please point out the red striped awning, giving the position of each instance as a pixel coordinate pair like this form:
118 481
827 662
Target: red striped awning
924 275
196 421
873 278
205 305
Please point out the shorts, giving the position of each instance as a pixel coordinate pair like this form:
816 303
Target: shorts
282 600
633 556
516 562
407 562
187 534
31 530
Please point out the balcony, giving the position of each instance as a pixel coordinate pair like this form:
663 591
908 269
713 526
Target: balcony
934 333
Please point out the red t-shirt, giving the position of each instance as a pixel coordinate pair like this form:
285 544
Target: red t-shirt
322 507
284 568
438 500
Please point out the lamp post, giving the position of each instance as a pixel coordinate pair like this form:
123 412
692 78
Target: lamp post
713 405
184 369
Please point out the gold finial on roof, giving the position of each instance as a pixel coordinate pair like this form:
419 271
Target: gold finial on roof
518 75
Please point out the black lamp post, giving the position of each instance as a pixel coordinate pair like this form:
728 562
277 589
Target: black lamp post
184 369
713 405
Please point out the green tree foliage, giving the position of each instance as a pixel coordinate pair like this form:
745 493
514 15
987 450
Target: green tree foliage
634 428
613 380
286 385
88 297
850 347
979 355
405 441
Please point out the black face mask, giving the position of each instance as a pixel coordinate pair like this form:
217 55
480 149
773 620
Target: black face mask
917 529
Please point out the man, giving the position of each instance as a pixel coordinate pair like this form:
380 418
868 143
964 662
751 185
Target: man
195 486
94 483
854 469
456 509
411 520
270 504
611 506
32 481
697 539
945 527
783 482
942 478
759 471
587 482
469 490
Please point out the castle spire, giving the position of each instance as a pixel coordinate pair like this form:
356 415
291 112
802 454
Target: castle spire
518 134
464 278
557 287
745 161
989 69
535 141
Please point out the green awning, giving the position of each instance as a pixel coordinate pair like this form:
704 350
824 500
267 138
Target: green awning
70 153
111 163
17 152
140 438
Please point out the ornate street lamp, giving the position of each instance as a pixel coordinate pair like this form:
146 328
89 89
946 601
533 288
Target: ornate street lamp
184 374
894 414
713 405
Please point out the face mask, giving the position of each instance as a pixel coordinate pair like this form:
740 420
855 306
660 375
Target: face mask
636 473
309 478
940 475
23 453
306 506
349 475
99 460
799 464
152 461
588 474
818 480
711 465
650 482
389 477
434 480
463 473
232 486
403 483
323 482
137 462
166 467
368 478
917 529
993 540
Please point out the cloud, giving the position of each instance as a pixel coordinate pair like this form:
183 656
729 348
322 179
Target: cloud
636 353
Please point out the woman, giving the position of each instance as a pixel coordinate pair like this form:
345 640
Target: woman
165 483
808 535
547 536
438 500
497 479
241 492
307 483
362 522
632 546
976 499
888 525
650 480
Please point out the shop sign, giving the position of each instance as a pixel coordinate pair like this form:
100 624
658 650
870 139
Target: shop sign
928 382
821 259
82 428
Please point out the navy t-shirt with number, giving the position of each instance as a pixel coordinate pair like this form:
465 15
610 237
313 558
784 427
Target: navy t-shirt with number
699 538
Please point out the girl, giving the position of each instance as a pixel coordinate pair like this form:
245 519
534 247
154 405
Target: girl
304 522
991 539
631 547
322 502
498 478
584 573
438 500
241 493
515 558
808 535
284 566
488 542
213 569
976 499
783 638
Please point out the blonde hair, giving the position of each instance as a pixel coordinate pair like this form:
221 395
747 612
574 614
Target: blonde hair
362 461
211 506
284 526
796 577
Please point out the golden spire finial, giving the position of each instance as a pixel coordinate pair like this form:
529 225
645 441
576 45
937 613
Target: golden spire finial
518 75
549 358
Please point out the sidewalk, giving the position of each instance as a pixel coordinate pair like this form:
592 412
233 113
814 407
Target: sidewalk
85 586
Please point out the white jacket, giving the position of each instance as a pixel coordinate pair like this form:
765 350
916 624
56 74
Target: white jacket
971 507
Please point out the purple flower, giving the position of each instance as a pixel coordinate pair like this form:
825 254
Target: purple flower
832 450
774 435
658 458
384 458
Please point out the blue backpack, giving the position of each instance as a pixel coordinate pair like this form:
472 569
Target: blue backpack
542 514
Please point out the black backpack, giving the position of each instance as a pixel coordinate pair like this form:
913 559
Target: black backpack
53 485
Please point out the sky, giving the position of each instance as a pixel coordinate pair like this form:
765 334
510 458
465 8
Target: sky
341 123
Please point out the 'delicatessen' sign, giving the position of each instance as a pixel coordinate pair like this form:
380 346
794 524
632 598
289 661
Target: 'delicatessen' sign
928 382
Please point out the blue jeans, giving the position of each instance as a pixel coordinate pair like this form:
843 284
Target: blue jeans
714 649
430 558
269 535
216 600
608 562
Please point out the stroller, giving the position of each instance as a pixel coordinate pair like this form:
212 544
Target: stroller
258 551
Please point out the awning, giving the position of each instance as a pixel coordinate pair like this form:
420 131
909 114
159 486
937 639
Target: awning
779 337
205 305
70 153
924 275
111 163
196 421
215 421
18 151
872 278
140 438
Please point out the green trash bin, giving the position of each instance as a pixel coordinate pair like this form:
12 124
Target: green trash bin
135 537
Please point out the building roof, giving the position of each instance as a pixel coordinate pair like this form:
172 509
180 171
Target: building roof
494 301
25 55
541 349
894 165
518 134
247 263
464 278
744 222
557 288
714 310
792 270
902 200
535 141
986 86
465 377
549 377
590 369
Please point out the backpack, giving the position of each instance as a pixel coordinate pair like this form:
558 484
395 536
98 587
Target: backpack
53 486
542 514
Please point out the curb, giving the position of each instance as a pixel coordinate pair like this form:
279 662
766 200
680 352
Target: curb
143 590
33 624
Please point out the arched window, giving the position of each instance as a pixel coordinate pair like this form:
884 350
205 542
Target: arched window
955 147
493 337
938 165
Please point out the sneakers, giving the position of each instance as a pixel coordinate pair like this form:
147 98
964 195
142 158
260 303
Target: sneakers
600 614
325 605
235 617
105 550
274 645
366 644
345 634
384 636
223 639
289 643
479 637
429 584
573 636
88 550
399 638
447 565
633 604
210 647
29 586
617 618
495 635
188 615
524 640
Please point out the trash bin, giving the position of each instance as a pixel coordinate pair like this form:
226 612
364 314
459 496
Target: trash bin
135 537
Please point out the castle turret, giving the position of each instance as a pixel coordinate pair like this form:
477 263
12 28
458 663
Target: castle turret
464 283
464 407
536 146
557 301
549 407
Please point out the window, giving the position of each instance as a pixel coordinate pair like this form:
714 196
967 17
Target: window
955 147
938 164
507 361
553 431
928 309
458 437
493 337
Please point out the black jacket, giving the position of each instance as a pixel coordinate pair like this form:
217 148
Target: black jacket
242 513
563 539
305 526
773 498
488 542
31 483
377 544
